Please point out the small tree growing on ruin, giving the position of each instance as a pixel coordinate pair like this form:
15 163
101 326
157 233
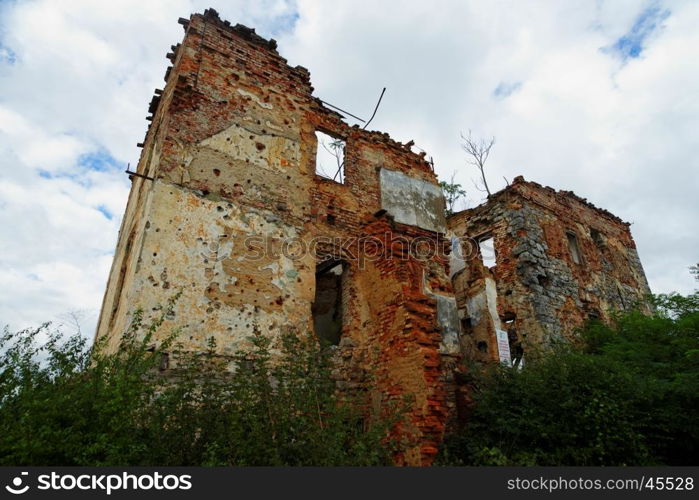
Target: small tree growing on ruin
453 192
479 151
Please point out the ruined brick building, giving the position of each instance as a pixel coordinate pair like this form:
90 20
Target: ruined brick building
230 207
533 264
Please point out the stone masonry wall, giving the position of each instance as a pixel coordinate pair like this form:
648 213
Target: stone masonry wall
541 295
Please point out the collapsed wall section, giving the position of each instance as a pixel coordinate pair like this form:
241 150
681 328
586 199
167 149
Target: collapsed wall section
557 261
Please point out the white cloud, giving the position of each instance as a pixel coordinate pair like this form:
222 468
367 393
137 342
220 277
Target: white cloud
619 132
76 79
77 76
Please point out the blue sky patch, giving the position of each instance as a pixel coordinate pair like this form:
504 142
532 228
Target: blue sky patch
506 89
104 211
632 43
7 55
284 24
100 161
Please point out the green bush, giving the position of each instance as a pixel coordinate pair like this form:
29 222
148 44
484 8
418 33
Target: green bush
64 404
628 396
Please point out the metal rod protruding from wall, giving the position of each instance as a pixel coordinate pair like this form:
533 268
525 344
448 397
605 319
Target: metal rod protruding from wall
375 109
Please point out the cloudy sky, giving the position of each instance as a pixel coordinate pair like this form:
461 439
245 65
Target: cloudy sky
601 98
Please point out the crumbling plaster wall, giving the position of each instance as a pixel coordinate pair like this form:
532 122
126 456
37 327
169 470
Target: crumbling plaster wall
539 288
235 219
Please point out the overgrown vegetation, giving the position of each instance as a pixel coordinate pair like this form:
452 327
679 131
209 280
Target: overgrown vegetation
628 396
63 404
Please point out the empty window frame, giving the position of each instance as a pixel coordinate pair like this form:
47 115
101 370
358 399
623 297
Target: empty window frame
573 247
597 237
330 157
486 249
327 304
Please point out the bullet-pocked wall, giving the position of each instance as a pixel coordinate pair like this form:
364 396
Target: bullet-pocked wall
537 263
232 214
230 210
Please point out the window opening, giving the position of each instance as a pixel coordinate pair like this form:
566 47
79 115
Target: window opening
330 157
327 304
574 249
486 247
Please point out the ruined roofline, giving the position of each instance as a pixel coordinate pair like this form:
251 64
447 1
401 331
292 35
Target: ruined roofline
379 137
515 188
211 16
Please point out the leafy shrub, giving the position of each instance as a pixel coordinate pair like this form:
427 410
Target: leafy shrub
64 404
627 396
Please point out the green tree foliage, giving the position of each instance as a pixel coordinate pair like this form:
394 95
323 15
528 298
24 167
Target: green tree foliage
63 404
628 396
453 193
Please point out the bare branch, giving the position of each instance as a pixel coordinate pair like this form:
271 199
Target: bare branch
336 149
73 319
478 188
479 151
